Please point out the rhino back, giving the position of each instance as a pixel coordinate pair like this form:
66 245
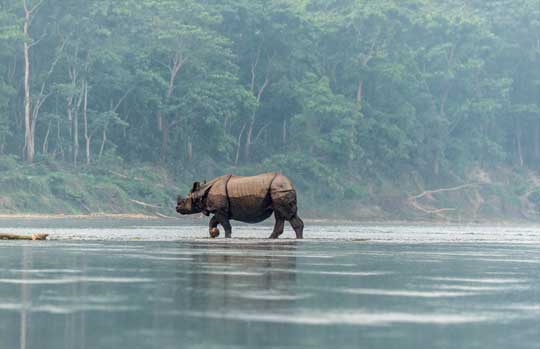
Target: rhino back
249 197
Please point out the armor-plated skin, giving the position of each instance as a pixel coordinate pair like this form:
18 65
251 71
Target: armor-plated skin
247 199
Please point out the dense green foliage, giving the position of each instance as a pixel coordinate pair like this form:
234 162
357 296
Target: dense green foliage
342 95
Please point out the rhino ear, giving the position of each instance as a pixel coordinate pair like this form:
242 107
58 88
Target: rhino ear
196 186
179 198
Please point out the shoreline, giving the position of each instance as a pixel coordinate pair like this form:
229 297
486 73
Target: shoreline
82 216
158 216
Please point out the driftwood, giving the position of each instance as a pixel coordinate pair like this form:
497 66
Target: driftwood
431 192
23 237
413 200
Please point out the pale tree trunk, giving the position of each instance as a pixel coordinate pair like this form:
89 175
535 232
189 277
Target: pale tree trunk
31 112
28 139
103 141
175 65
519 148
359 92
70 111
366 58
45 148
73 107
30 116
75 138
59 148
87 137
258 92
239 144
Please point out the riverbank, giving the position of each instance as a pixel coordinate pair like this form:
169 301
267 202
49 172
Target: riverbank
52 190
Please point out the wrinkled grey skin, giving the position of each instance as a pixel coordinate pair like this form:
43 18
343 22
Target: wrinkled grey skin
247 199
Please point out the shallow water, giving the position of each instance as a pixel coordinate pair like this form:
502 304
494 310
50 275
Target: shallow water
164 284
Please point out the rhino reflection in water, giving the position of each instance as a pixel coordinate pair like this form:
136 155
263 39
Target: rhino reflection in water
247 199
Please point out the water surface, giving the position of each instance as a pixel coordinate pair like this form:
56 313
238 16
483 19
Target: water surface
163 284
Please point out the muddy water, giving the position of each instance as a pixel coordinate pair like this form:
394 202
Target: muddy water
163 284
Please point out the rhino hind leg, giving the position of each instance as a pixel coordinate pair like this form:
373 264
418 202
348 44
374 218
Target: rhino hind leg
284 206
298 226
278 228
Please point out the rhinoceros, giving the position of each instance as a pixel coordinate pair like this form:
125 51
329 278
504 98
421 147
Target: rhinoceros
250 199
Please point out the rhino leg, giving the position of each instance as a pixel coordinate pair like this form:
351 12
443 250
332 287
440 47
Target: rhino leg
223 219
213 223
226 224
298 226
278 228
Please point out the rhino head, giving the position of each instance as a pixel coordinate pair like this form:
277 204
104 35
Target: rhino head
187 205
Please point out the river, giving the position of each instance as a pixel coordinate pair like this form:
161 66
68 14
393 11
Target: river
101 283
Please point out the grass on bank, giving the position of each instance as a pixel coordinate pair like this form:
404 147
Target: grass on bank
52 187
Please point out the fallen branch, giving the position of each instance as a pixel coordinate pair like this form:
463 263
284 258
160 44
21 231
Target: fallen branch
23 237
431 210
435 191
144 204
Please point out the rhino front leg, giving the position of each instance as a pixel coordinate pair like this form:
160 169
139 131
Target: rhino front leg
213 224
226 224
278 228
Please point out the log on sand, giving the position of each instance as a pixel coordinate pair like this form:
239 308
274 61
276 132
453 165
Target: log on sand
23 237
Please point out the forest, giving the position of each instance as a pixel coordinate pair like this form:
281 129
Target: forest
409 109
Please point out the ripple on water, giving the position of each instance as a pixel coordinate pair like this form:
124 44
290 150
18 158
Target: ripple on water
62 310
60 281
479 280
270 295
405 293
359 317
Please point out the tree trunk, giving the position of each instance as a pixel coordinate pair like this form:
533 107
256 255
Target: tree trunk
238 144
59 146
87 138
28 139
159 121
359 92
45 148
519 149
176 64
103 141
75 138
249 138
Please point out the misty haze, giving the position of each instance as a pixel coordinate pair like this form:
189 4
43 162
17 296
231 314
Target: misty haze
405 134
